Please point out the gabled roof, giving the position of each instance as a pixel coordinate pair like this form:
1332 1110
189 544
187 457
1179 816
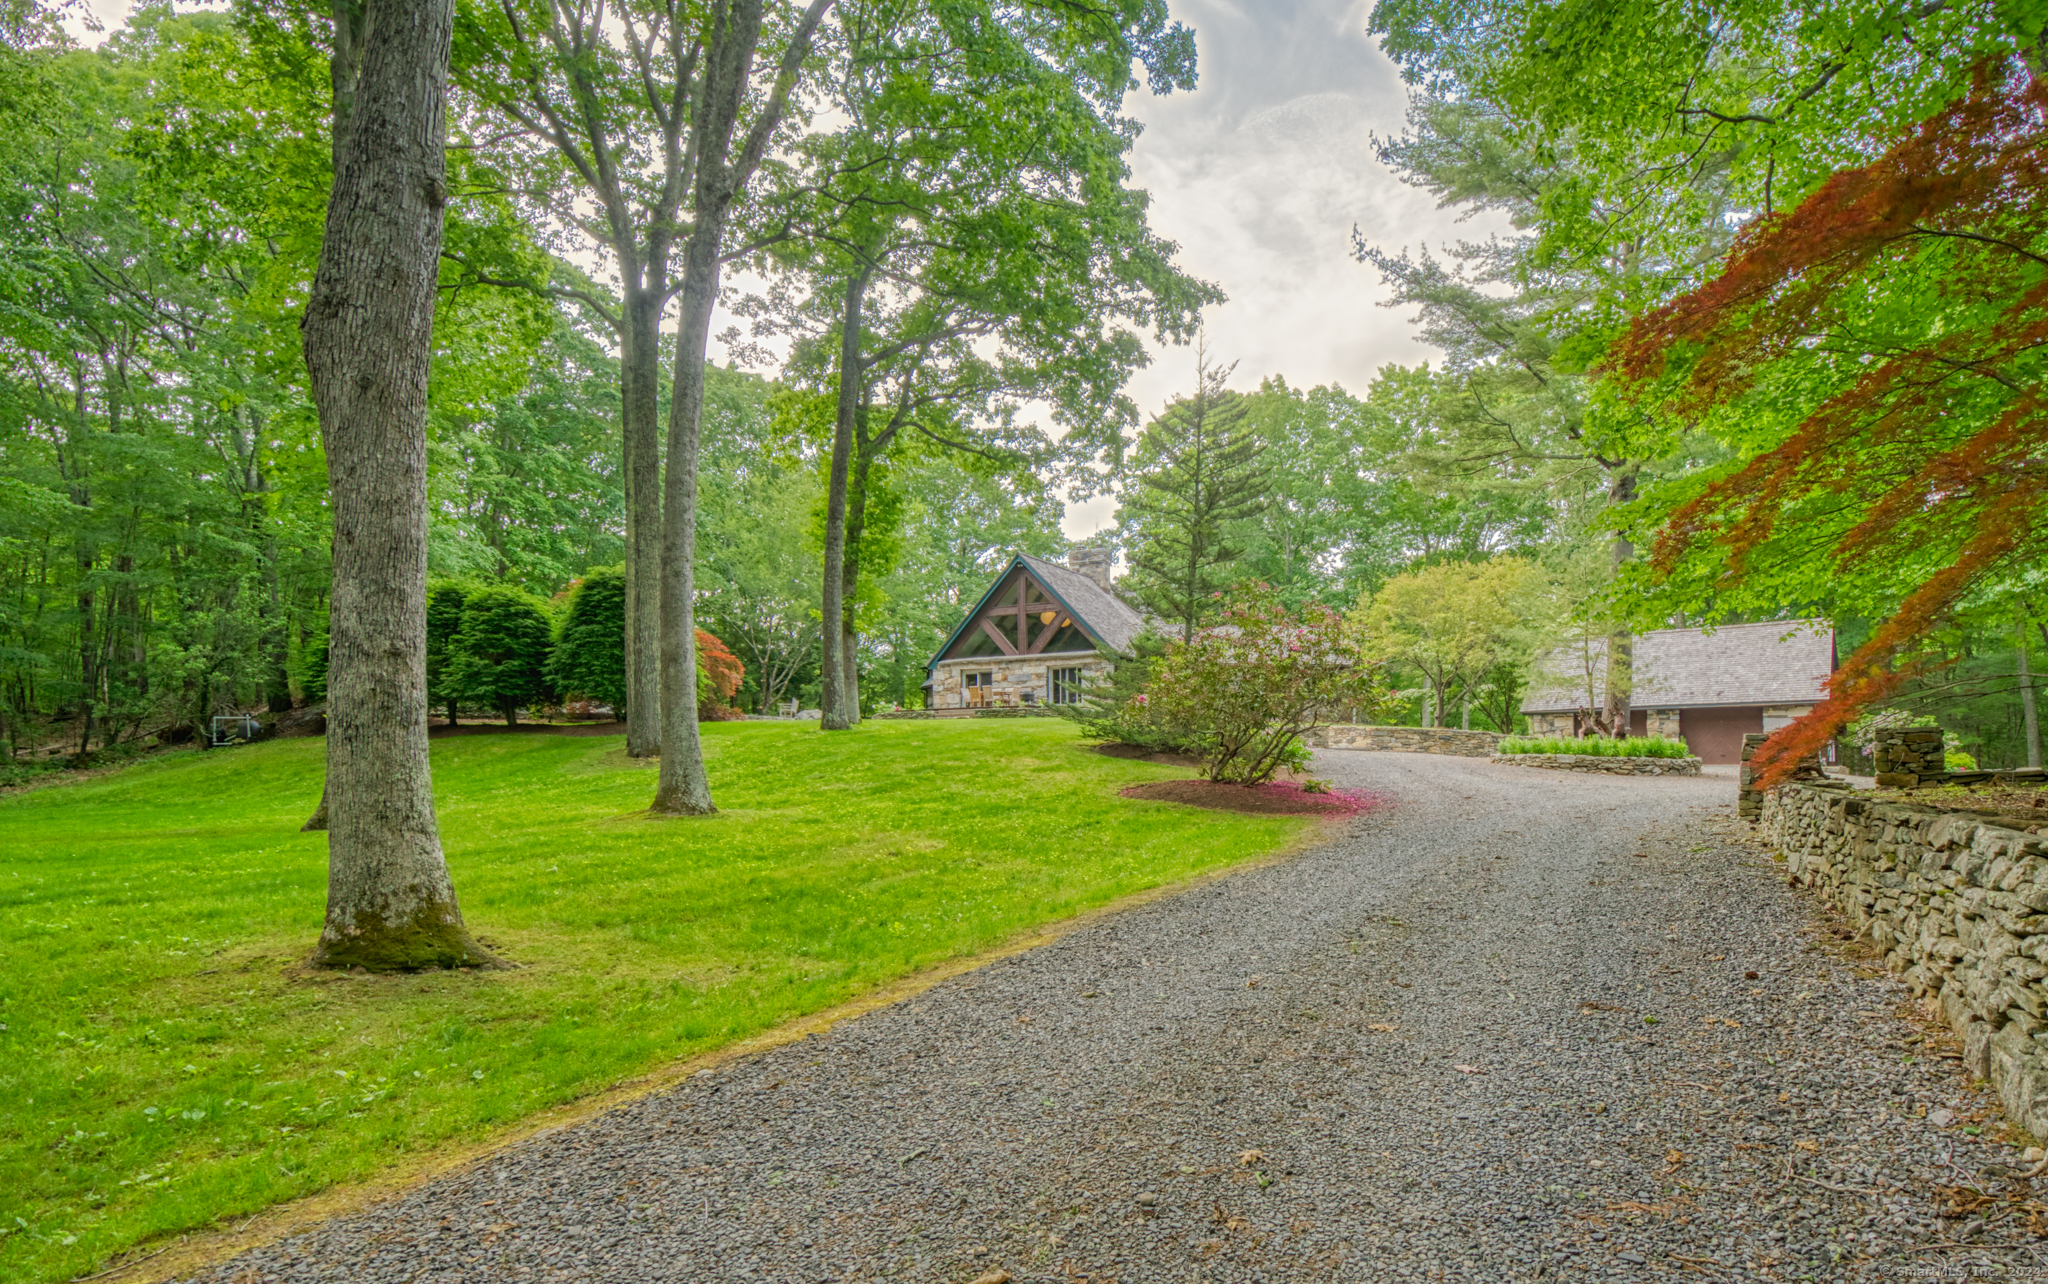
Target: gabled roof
1101 614
1776 662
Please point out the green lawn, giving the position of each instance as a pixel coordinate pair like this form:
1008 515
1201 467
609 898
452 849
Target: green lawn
166 1062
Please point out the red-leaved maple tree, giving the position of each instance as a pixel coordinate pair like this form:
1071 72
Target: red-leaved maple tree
1902 309
726 671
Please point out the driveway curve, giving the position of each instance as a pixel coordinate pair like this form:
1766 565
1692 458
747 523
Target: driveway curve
1503 1028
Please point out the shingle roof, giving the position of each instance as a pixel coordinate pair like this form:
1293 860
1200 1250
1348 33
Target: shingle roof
1103 613
1777 662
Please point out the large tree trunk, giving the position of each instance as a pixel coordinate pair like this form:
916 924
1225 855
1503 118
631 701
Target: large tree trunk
838 659
640 374
683 788
368 335
1621 646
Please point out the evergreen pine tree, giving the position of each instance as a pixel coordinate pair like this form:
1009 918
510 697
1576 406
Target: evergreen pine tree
1194 473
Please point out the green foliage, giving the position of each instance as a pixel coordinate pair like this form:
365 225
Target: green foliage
1196 475
499 655
191 1055
589 655
1117 711
1597 746
445 600
1460 624
1250 687
314 682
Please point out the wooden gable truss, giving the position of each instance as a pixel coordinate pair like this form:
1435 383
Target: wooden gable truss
1020 617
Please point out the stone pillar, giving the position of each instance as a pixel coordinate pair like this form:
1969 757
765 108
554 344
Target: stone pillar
1749 800
1908 756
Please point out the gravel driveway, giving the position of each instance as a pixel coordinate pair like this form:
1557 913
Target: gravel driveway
1500 1030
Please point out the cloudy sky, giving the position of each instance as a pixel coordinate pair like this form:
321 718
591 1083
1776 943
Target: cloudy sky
1260 175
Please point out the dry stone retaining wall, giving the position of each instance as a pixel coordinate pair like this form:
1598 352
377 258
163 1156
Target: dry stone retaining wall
1603 766
1958 905
1450 740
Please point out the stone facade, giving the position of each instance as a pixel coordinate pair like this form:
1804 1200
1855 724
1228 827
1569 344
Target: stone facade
1015 677
1656 722
1344 735
1602 766
1959 906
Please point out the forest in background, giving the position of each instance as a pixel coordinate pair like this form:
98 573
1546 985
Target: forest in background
163 519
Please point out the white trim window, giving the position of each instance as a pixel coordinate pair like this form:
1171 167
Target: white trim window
1063 686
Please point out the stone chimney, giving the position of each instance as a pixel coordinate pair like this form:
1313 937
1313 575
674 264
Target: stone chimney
1093 563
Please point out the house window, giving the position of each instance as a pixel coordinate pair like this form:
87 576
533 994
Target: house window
978 686
1065 685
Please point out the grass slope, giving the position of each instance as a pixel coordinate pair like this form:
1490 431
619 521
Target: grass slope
165 1061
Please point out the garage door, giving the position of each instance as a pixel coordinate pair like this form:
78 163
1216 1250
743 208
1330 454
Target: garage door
1716 734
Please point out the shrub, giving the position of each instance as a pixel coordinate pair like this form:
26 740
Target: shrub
444 620
1117 710
719 674
499 656
589 657
1250 687
1598 746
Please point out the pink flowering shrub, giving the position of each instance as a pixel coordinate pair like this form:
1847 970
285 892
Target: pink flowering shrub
1250 687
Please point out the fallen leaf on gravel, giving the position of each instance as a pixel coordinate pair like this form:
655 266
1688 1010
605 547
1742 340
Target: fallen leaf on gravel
1250 1157
992 1277
1226 1221
1381 1028
1468 1069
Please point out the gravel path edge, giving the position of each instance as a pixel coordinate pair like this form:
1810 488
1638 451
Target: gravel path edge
153 1262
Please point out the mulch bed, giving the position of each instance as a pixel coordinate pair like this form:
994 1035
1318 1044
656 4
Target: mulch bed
1277 799
440 729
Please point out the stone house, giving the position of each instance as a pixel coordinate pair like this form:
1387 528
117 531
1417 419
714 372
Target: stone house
1037 636
1708 689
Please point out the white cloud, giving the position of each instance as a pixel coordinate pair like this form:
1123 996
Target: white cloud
1260 175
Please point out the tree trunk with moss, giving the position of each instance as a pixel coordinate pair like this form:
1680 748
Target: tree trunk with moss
368 334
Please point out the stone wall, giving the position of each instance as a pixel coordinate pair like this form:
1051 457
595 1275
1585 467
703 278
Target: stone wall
1912 758
1450 740
1749 800
1602 766
1016 677
1958 905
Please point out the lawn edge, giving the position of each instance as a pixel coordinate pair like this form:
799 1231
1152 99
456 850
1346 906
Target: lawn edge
193 1251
